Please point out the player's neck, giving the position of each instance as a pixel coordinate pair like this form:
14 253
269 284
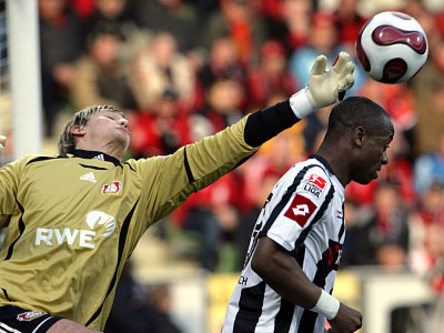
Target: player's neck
113 149
336 161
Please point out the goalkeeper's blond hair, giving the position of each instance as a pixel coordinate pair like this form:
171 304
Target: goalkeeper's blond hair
67 140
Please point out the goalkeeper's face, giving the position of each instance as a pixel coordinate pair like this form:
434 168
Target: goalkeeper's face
108 128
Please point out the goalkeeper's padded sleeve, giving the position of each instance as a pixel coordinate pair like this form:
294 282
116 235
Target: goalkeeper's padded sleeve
266 123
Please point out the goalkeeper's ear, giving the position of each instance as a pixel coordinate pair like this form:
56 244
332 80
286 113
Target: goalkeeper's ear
2 142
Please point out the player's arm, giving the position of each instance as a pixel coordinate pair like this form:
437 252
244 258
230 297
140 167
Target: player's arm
278 268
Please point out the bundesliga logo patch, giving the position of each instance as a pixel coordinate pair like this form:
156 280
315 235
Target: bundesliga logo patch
113 188
315 185
30 315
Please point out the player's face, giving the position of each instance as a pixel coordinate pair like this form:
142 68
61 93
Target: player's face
108 127
372 157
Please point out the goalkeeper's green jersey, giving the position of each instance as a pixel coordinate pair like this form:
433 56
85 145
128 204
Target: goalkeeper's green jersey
73 220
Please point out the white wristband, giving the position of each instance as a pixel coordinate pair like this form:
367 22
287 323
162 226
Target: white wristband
327 305
300 103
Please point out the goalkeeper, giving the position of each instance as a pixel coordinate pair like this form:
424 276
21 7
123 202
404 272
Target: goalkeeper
74 219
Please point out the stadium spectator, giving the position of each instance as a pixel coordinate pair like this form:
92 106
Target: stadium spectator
223 63
390 216
429 167
160 130
428 91
131 311
296 16
86 228
248 217
224 104
61 44
176 17
426 252
112 12
270 77
237 19
101 75
359 243
159 67
348 22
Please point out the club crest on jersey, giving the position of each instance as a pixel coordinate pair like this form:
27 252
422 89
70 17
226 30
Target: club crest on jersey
113 188
315 185
300 210
30 315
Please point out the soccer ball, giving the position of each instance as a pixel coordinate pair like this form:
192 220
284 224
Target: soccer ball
392 47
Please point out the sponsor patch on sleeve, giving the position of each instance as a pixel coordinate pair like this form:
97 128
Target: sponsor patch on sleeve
315 185
300 210
30 315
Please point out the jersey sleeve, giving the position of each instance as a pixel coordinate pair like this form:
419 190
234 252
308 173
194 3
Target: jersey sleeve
10 175
300 205
168 181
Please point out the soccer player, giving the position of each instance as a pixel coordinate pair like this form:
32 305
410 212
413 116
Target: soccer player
74 219
296 244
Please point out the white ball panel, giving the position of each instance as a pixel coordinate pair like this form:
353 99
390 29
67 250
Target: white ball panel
379 55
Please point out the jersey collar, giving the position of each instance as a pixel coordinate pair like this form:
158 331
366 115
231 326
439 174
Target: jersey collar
324 162
95 155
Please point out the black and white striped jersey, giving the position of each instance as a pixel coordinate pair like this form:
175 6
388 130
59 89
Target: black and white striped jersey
304 214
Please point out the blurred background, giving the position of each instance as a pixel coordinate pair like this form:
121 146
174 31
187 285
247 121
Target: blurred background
184 69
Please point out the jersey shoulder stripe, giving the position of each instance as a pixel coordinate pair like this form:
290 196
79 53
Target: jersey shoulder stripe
45 158
286 197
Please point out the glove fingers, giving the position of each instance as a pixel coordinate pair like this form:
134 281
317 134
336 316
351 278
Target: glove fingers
346 83
319 65
341 63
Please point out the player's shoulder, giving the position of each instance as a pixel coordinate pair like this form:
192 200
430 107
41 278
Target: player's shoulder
311 178
151 162
310 166
29 158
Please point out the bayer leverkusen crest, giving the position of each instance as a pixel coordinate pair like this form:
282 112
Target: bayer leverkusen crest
113 188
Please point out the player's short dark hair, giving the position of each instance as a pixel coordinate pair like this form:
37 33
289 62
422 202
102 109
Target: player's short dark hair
357 111
67 140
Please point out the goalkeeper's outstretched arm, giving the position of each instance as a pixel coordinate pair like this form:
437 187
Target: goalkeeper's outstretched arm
325 87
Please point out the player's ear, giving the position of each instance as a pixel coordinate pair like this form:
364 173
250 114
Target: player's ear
359 134
78 130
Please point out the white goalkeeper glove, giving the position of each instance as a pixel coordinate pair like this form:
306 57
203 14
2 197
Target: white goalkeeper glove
2 142
324 87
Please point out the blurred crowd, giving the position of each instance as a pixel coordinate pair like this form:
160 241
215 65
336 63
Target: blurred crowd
184 69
